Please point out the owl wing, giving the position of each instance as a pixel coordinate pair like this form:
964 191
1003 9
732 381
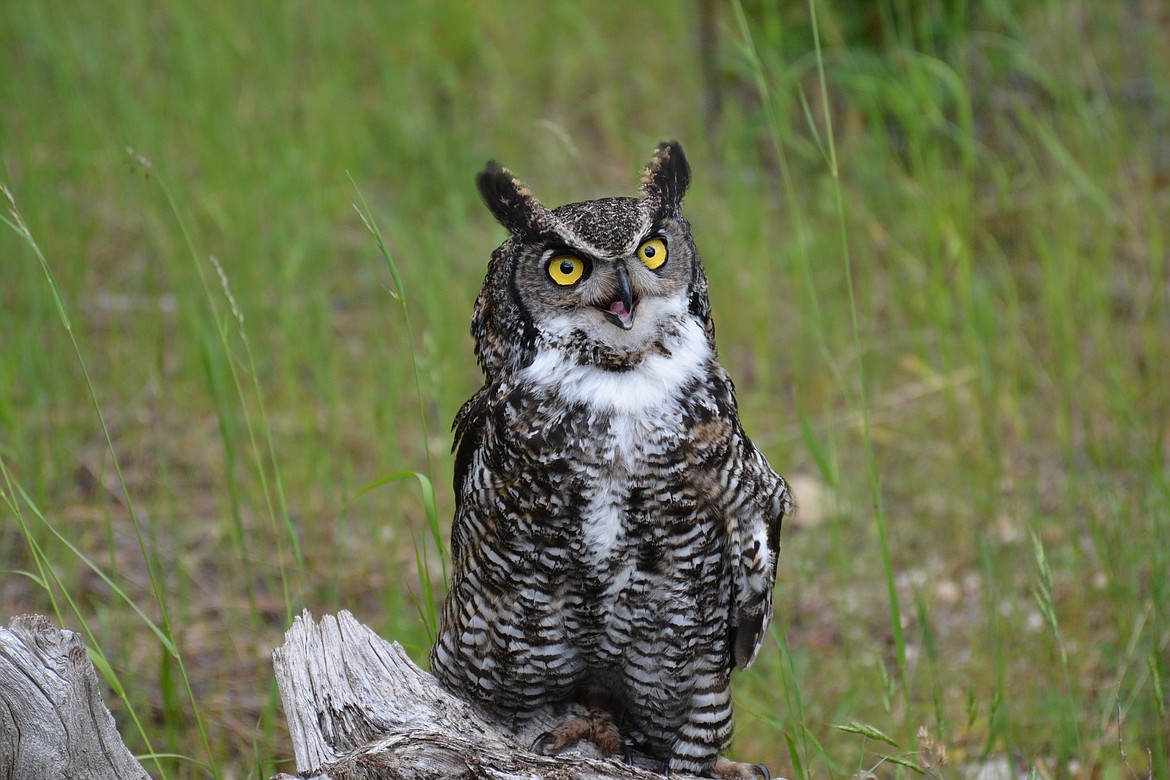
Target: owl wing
758 499
469 427
751 499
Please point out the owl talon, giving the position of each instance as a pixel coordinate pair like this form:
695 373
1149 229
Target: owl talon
540 744
597 727
734 770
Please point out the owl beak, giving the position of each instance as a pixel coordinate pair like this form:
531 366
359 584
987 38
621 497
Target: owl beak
621 311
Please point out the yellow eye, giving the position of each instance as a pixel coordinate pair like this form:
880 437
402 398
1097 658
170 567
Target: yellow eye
652 253
566 270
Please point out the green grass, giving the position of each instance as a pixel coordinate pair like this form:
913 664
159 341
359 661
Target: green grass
937 240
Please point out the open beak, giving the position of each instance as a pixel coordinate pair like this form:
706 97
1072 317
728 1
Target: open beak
621 311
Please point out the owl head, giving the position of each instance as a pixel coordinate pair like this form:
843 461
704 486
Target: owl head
601 277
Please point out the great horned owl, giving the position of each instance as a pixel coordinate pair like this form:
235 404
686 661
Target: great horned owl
615 532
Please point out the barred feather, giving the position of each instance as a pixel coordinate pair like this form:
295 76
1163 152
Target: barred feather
616 531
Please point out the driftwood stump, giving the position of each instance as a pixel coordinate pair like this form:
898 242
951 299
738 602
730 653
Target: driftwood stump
53 723
358 707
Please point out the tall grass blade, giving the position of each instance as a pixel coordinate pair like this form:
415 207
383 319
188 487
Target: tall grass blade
93 648
866 730
427 609
866 434
277 508
399 292
280 510
795 737
164 631
1046 603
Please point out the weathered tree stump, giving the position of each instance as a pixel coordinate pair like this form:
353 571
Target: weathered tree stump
53 723
358 707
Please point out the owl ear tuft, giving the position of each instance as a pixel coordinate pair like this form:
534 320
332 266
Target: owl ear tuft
667 176
510 201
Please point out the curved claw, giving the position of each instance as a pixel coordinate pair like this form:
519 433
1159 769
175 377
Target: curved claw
628 751
763 770
540 743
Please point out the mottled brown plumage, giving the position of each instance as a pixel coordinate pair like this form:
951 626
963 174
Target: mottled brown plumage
616 532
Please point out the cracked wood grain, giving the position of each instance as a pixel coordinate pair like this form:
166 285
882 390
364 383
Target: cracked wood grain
53 723
359 708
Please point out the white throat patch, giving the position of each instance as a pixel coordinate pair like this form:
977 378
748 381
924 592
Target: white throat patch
647 385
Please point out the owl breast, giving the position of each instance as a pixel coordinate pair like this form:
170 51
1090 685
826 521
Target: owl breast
605 494
625 466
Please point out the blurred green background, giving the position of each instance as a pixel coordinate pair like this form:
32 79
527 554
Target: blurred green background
938 262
